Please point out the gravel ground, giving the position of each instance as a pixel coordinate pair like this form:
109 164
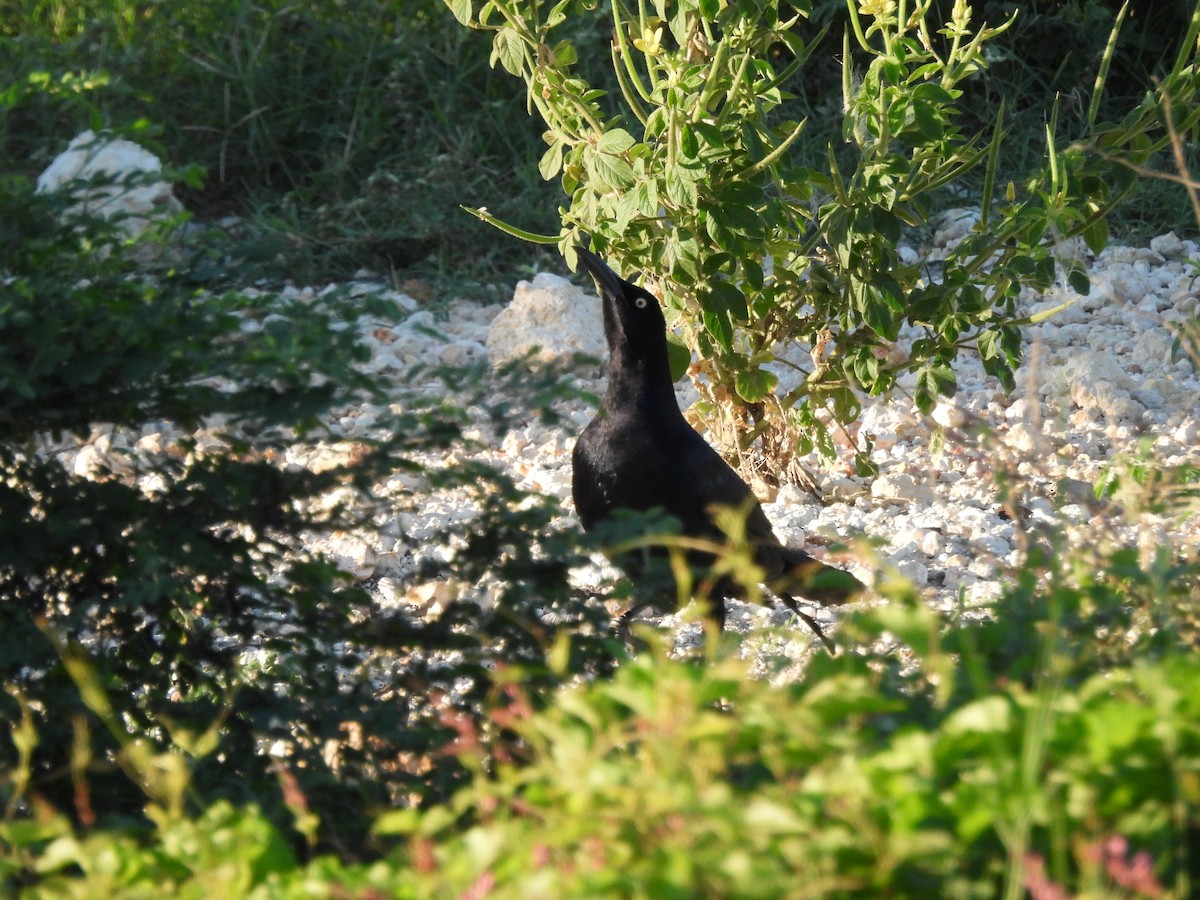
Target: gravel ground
1099 384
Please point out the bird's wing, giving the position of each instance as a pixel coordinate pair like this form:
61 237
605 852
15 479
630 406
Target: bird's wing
709 481
786 569
587 485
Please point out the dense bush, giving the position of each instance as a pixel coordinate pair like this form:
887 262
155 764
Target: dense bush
963 774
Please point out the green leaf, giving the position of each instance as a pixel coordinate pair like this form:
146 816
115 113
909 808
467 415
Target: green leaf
613 172
607 161
507 48
1096 235
627 208
551 161
565 54
718 326
1079 281
688 142
712 136
681 191
887 224
647 197
679 357
616 141
753 272
934 381
754 384
878 309
461 10
723 295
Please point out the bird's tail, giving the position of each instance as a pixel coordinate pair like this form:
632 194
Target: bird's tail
799 573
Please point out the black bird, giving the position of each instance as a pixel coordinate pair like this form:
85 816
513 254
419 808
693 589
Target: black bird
639 453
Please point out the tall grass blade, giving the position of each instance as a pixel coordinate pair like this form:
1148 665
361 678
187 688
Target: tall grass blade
993 158
1105 63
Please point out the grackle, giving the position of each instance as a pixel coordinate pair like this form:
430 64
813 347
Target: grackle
640 454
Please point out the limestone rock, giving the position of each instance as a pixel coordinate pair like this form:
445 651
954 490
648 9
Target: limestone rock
901 489
1168 245
131 196
956 224
552 315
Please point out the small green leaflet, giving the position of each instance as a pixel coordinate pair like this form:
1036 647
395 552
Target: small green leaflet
607 161
551 161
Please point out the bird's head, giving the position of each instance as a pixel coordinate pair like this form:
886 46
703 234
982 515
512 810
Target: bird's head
633 321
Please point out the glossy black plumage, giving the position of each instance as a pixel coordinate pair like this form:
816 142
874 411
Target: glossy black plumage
639 453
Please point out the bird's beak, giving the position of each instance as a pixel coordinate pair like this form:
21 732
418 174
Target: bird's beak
606 279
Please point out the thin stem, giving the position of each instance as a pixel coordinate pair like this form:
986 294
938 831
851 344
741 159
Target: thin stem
771 157
534 238
626 56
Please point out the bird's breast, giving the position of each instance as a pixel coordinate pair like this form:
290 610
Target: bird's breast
623 464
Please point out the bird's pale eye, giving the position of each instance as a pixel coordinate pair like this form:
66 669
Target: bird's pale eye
640 302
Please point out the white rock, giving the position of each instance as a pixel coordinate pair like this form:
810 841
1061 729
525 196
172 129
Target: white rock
1188 433
461 353
89 462
1093 366
912 564
901 488
1121 407
888 423
351 553
956 225
1022 409
1168 245
135 206
1022 437
551 314
1152 349
993 545
839 487
949 415
929 542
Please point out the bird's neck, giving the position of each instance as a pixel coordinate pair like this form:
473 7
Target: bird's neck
642 381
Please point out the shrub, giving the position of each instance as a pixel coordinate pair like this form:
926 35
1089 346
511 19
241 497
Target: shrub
957 773
769 265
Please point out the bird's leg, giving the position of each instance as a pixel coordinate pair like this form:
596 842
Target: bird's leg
621 624
816 628
812 623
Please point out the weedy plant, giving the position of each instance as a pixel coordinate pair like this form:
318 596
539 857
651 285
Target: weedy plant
997 758
766 263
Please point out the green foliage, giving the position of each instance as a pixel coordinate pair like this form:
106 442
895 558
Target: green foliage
960 774
694 182
346 134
